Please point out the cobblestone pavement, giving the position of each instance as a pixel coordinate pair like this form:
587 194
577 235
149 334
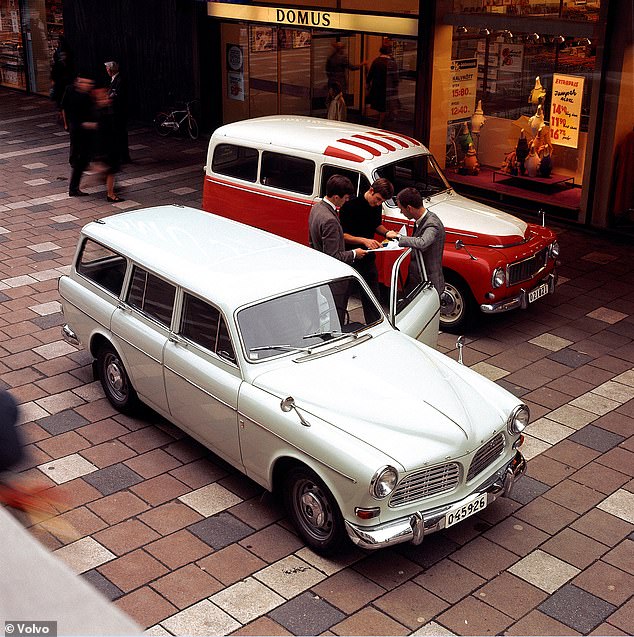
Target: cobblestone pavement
187 546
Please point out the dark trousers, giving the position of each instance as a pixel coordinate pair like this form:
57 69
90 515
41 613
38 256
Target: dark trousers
80 155
366 267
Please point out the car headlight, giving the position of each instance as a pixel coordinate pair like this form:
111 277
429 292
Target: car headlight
499 278
554 250
518 419
383 482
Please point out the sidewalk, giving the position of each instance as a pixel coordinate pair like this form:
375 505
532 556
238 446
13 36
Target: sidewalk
185 545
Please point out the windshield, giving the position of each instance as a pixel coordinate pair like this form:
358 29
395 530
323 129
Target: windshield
420 172
305 319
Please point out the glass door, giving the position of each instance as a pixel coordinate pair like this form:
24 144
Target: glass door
12 67
295 71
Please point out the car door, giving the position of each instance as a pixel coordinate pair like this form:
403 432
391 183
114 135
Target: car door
414 309
140 327
202 379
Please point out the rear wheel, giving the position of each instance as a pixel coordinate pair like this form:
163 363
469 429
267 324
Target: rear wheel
115 381
192 127
161 124
314 510
457 309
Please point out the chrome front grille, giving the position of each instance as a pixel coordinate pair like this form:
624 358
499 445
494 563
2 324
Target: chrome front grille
425 483
528 268
486 455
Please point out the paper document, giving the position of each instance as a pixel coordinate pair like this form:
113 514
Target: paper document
391 244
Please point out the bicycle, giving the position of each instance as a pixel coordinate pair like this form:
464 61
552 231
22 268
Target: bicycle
177 119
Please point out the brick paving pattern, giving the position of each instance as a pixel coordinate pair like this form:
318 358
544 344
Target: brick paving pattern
186 546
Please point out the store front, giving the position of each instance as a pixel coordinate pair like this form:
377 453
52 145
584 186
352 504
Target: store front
276 60
29 32
523 114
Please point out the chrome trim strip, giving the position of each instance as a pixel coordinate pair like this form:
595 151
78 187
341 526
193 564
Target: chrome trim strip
294 446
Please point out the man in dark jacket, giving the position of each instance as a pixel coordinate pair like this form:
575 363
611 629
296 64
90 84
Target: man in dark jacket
117 92
10 447
77 111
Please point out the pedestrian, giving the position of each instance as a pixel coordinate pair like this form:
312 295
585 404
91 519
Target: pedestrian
326 235
325 231
118 93
10 448
336 103
62 74
362 219
382 82
106 148
338 65
428 237
78 116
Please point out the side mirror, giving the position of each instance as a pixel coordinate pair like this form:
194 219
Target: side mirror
288 404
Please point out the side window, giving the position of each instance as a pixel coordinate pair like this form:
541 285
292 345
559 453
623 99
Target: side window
151 295
235 161
359 181
203 324
288 173
101 265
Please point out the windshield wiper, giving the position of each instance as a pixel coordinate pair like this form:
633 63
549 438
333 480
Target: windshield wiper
330 334
285 347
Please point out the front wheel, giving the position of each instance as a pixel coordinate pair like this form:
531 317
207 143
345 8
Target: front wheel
192 128
161 124
314 511
115 381
457 307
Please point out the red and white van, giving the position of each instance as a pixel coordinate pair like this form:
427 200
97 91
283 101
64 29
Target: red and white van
269 171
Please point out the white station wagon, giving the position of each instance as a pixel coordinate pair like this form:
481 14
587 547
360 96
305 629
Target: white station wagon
278 359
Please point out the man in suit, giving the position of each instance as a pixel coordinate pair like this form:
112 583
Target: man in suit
428 237
324 227
326 235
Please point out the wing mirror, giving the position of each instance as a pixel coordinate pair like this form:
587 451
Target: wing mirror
288 404
461 246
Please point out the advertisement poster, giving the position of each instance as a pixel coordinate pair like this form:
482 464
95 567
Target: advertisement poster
565 110
462 92
235 72
512 57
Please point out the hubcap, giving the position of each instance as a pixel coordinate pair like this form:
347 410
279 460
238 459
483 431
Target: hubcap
313 510
115 378
453 306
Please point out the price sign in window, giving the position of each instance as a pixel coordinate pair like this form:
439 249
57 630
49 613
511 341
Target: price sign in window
565 110
464 76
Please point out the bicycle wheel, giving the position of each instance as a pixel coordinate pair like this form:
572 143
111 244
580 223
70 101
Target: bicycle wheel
192 127
162 124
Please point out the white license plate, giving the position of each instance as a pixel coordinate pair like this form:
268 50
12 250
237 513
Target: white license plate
471 506
538 292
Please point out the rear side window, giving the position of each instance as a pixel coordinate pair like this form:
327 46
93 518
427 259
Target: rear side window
152 295
288 173
203 324
102 266
235 161
359 181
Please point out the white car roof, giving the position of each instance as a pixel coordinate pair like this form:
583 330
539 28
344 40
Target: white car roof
228 262
350 142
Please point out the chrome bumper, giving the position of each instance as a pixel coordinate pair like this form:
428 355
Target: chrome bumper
521 300
415 527
70 336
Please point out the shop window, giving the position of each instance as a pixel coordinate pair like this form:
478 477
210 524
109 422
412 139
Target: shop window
235 161
578 10
288 173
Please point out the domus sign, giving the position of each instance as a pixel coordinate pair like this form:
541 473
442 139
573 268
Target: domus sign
304 18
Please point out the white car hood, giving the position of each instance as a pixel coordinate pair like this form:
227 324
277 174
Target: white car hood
475 223
397 395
